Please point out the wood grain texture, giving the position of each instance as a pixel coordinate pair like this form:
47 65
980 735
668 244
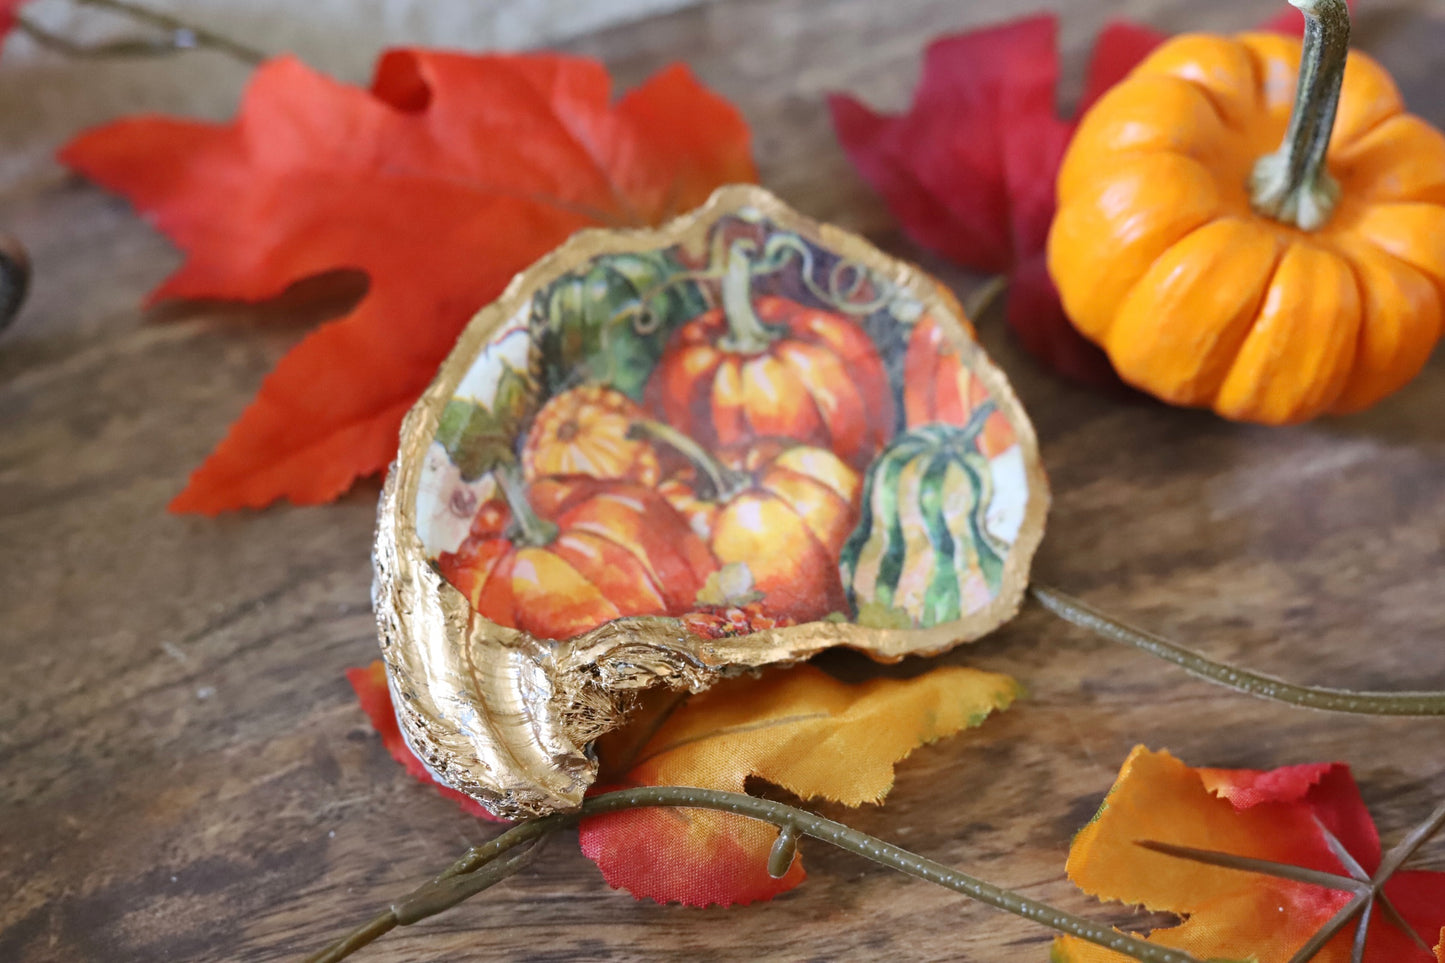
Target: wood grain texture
184 773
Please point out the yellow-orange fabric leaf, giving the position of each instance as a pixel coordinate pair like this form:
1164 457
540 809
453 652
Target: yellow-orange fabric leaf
799 729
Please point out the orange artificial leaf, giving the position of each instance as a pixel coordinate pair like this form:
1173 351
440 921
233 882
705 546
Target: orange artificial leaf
372 692
1301 816
448 176
799 729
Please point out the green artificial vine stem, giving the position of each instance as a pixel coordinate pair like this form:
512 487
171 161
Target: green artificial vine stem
1075 612
184 34
785 817
746 332
1292 185
179 36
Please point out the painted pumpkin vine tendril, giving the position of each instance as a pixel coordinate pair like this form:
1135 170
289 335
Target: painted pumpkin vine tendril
777 251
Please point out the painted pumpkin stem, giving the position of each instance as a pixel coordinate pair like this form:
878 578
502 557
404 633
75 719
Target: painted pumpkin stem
725 481
977 421
1292 185
746 332
532 529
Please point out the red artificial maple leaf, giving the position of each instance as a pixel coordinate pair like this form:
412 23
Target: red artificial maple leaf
969 169
441 181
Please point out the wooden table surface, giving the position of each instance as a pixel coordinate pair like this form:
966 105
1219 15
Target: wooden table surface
184 773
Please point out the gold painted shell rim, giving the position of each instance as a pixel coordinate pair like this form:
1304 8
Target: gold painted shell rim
420 615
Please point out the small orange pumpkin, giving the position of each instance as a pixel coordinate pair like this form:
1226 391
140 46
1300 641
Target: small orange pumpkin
1216 271
583 431
771 367
572 553
783 510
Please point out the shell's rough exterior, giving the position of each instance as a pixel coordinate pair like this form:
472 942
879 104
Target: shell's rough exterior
762 438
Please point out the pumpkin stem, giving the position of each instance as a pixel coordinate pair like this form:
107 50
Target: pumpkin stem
726 482
1292 185
977 421
746 332
532 529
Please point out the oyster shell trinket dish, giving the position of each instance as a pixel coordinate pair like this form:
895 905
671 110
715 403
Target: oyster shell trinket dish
667 456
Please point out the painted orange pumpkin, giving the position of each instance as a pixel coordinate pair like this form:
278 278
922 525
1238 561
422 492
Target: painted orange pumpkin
937 386
782 510
1216 271
583 431
771 367
572 553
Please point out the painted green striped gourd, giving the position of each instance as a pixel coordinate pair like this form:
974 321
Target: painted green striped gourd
922 554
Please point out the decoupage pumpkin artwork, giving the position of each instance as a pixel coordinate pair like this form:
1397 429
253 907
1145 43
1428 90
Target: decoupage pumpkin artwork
1256 227
934 536
667 456
775 514
584 431
576 552
769 365
937 386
